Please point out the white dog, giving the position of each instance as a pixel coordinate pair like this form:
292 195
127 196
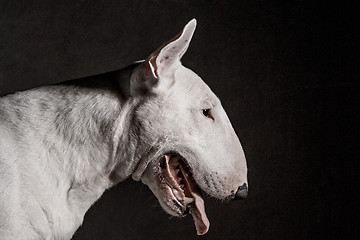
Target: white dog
62 146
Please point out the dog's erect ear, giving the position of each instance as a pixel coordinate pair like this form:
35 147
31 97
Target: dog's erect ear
162 61
170 53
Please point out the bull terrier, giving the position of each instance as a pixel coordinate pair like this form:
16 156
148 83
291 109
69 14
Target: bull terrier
63 145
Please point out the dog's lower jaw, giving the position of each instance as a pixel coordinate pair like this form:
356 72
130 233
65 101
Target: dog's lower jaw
171 182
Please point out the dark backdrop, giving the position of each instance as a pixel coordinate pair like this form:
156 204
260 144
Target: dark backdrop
286 73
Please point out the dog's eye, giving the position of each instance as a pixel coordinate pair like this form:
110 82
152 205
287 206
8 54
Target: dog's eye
207 113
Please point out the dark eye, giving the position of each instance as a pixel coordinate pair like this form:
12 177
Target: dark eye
207 113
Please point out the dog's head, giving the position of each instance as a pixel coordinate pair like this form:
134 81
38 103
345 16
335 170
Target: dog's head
186 141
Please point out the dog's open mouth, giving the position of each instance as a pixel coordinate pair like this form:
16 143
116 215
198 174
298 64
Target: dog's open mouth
185 192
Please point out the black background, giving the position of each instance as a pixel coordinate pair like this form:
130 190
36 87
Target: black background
288 77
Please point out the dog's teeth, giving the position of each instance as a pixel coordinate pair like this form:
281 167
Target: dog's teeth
188 200
182 185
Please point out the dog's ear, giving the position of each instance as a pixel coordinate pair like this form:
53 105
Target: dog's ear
162 61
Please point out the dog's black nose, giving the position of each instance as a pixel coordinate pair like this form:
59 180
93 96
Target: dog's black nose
242 192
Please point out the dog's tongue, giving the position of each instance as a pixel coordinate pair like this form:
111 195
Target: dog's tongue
197 208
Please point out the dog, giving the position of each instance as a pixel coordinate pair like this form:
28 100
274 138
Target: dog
62 146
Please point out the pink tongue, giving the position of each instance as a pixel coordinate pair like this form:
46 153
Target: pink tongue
197 208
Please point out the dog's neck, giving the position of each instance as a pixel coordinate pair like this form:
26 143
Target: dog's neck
91 135
80 133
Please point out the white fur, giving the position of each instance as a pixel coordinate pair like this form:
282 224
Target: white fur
62 146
